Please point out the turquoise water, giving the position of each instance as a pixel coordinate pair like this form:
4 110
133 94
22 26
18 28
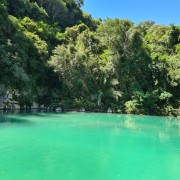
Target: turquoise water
89 146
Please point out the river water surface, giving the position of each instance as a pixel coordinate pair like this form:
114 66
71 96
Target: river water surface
89 146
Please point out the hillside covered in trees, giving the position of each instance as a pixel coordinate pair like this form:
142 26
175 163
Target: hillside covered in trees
54 54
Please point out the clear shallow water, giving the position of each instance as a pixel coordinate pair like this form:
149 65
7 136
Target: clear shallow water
81 146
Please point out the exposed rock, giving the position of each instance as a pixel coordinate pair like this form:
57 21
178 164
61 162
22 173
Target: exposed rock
82 110
109 110
58 109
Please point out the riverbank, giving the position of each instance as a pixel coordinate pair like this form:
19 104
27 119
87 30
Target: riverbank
59 110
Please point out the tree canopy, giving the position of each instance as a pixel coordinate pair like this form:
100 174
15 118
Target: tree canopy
54 54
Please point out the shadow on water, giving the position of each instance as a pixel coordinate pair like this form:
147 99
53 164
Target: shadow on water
21 116
38 112
5 118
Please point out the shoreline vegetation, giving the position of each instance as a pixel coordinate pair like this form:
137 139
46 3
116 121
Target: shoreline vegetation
53 54
75 110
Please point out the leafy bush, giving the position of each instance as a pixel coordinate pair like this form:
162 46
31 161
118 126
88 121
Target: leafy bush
131 107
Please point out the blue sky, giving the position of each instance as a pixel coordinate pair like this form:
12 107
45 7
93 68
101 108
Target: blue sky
160 11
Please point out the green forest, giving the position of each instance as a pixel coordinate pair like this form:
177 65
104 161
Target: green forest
56 55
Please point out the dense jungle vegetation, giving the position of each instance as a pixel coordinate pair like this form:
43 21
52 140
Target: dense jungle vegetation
54 54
